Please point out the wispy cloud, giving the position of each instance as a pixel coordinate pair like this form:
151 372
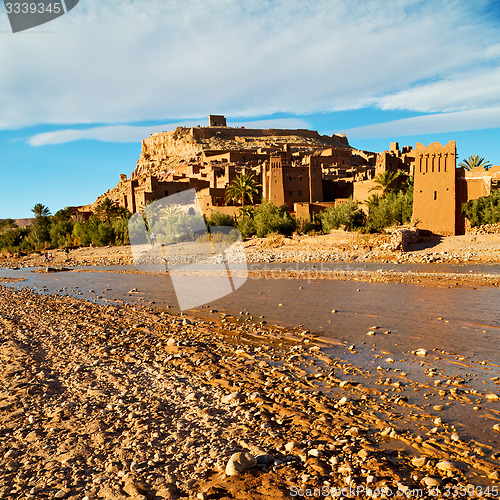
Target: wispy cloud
133 133
124 61
462 92
475 119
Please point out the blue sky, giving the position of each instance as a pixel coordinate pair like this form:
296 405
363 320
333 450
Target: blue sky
79 93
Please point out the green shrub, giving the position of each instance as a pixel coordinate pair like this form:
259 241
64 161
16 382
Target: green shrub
81 235
61 233
219 219
13 239
389 210
269 218
246 226
308 226
103 234
348 215
120 228
484 210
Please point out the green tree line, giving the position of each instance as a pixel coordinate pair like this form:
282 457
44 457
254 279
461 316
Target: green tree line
106 226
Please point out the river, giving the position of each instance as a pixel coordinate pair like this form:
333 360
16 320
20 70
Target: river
459 327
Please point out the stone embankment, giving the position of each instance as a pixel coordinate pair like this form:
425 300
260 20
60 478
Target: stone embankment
100 402
485 229
335 247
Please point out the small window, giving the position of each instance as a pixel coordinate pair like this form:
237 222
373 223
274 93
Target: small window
166 192
300 193
290 193
435 195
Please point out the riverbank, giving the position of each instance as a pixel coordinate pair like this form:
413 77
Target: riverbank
120 402
338 246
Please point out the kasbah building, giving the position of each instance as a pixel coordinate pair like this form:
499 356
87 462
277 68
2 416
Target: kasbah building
301 169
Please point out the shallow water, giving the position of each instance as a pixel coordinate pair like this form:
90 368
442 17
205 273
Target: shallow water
465 341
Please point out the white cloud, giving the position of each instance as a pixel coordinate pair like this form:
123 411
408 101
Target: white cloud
478 90
124 61
475 119
133 133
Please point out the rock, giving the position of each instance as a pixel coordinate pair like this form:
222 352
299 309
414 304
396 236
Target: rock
431 482
292 445
494 475
438 407
401 239
60 494
492 397
496 427
133 488
353 431
446 466
265 459
315 452
240 462
421 352
231 398
419 461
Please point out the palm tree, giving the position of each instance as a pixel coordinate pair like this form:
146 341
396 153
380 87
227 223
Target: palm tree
108 210
105 210
385 182
40 210
475 161
244 187
373 200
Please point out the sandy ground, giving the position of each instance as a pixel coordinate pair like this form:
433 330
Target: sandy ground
100 402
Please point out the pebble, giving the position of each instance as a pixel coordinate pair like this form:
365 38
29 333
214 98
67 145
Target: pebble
446 466
419 461
421 352
431 482
239 462
264 459
291 445
315 452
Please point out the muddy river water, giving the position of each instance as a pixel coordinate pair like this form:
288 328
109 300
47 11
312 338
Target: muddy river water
459 327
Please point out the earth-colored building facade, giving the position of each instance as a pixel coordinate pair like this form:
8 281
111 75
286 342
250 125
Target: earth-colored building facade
440 188
300 169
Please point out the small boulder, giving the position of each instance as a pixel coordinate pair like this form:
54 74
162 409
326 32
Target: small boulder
239 462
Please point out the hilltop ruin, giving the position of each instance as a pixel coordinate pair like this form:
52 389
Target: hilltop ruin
301 169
